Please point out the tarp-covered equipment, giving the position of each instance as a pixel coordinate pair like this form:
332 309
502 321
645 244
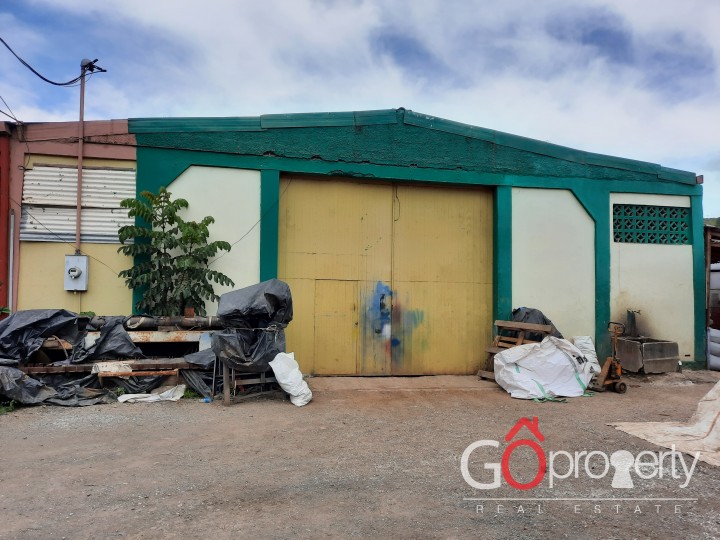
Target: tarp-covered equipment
23 332
255 319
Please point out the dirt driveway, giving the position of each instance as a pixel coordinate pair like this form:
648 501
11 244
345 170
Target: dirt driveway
367 458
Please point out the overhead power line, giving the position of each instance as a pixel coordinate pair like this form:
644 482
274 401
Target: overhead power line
12 114
8 115
24 63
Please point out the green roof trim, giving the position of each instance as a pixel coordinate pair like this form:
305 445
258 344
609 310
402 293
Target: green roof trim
194 125
357 119
260 123
545 148
677 175
338 119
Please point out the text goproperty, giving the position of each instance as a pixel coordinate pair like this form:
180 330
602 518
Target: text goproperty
560 465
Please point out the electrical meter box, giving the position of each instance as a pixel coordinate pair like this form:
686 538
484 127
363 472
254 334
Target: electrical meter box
76 272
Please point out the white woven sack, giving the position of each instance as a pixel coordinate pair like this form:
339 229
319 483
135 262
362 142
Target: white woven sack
288 375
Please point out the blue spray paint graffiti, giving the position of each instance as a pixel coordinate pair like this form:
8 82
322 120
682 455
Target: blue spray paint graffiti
375 347
380 309
409 321
404 323
388 322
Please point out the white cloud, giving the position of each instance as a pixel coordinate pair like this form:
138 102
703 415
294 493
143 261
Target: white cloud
494 64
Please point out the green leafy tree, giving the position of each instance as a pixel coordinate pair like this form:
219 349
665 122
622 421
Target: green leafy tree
171 255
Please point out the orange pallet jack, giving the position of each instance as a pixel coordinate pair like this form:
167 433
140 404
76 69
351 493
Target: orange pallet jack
610 376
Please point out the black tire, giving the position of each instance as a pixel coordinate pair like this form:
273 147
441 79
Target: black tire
620 387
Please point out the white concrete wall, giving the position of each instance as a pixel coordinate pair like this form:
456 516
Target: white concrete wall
553 258
232 197
656 279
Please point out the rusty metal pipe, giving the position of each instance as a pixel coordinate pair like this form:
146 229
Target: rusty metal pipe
151 323
200 322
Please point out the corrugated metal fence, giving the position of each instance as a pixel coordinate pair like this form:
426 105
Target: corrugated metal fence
49 199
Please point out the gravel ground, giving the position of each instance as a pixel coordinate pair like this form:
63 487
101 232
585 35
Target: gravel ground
367 458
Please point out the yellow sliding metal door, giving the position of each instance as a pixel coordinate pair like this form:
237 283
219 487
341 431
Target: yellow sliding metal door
442 279
386 279
334 242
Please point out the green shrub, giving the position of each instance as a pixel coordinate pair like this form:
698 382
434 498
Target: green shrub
171 255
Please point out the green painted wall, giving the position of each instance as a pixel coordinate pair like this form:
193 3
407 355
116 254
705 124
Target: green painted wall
401 145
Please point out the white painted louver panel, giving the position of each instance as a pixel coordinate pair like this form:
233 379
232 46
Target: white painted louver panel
49 198
57 186
57 224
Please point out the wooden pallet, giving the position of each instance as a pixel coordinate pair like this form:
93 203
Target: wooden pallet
139 368
511 334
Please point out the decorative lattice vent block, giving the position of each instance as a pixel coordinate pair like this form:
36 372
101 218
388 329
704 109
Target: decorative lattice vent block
645 224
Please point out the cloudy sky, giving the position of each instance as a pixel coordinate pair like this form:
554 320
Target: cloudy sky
632 78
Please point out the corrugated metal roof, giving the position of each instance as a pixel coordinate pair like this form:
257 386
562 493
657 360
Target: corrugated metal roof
57 186
49 198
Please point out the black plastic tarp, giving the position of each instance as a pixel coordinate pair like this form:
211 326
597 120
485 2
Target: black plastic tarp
258 305
205 358
17 386
202 381
249 350
67 390
23 332
113 342
136 385
534 316
77 390
254 319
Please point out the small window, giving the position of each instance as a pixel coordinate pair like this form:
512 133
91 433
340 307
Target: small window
645 224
